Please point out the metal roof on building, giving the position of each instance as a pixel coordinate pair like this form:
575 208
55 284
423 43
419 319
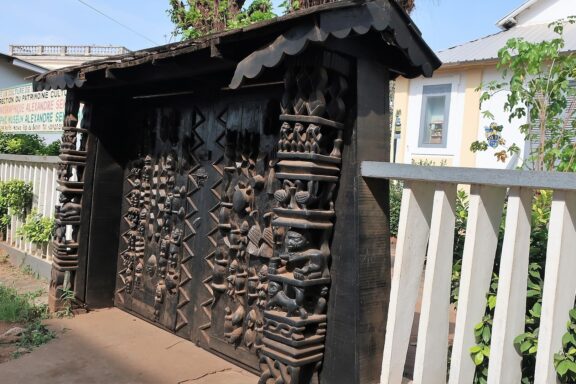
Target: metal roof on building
486 48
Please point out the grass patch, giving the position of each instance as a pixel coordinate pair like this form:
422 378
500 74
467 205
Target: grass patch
20 309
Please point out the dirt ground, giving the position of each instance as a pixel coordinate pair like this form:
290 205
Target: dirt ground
23 282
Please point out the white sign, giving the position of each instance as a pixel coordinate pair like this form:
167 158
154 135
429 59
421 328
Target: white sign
22 110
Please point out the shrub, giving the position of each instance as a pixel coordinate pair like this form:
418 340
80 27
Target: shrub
37 228
15 198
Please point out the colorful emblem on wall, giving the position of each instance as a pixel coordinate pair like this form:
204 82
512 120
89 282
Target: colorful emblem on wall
493 134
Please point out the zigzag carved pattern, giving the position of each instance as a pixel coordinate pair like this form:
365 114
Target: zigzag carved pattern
189 231
213 233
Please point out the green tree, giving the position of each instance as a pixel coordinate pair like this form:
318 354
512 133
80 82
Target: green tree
539 89
27 144
196 18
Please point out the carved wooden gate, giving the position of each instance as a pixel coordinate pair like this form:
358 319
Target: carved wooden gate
227 221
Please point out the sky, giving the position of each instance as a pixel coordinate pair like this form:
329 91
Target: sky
443 23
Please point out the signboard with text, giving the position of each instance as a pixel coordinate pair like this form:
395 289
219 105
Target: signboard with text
22 110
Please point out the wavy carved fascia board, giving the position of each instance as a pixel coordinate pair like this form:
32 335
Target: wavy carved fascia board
339 24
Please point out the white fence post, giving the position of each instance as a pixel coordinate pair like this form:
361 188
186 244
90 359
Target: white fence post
415 212
484 216
505 363
559 283
432 348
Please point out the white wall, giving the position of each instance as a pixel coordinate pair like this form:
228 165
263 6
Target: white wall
454 133
11 75
511 132
545 11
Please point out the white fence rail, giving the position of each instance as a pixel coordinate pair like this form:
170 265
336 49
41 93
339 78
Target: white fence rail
425 249
41 172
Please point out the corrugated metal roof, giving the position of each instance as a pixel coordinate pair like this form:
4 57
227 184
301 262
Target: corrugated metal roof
487 47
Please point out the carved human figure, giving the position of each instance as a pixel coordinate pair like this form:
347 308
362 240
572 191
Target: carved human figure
298 142
159 298
68 140
64 172
262 287
313 136
252 286
233 324
253 328
175 242
218 283
69 208
310 263
286 136
138 274
322 301
60 232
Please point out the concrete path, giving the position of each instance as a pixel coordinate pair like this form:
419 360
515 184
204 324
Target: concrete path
110 346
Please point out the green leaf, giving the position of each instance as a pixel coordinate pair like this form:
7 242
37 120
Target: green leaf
475 349
563 367
492 302
536 310
567 339
479 358
572 366
486 335
525 346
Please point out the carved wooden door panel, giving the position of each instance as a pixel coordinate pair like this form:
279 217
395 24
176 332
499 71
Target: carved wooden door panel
244 238
199 189
155 262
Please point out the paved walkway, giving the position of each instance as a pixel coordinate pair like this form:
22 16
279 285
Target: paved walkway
110 346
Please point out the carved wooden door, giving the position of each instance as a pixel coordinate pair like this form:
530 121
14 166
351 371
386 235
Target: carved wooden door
199 188
160 213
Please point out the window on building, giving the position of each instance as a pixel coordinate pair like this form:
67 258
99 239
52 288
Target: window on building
435 111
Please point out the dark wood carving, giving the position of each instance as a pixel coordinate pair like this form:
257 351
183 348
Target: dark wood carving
245 240
307 173
70 178
154 272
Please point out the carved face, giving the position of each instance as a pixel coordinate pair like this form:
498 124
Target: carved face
169 162
295 241
274 288
263 273
286 128
233 268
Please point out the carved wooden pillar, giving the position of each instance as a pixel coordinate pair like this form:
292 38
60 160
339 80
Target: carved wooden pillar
67 212
309 159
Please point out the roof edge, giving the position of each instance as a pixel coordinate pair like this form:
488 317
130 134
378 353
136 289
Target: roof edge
25 64
509 20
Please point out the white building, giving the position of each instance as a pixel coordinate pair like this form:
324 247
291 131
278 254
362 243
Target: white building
440 116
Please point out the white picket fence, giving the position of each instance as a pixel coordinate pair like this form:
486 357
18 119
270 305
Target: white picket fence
425 245
41 172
